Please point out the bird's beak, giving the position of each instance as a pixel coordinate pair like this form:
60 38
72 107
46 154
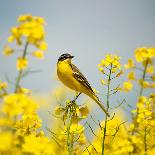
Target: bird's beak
72 57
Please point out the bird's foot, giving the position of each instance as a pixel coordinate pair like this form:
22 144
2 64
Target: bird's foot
76 97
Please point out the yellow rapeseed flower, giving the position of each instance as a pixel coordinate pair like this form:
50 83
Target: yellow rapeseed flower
101 69
143 83
119 74
76 128
150 69
130 64
152 85
22 63
7 50
3 85
6 141
153 77
31 28
15 104
127 86
131 76
24 90
143 53
151 51
103 82
29 122
11 39
38 54
59 110
111 59
84 111
37 145
43 46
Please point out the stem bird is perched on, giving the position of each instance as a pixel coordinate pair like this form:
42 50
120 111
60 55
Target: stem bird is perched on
71 77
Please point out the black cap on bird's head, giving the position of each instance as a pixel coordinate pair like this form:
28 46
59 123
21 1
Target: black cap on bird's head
65 56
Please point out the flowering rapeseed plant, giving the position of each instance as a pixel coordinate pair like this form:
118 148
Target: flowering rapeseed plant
21 131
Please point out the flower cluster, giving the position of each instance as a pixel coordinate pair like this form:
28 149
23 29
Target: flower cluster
110 60
32 28
77 112
29 31
145 56
3 87
116 132
72 133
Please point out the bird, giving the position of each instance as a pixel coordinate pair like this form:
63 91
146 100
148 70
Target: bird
71 77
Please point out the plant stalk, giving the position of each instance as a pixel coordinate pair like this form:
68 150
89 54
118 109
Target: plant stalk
19 76
106 119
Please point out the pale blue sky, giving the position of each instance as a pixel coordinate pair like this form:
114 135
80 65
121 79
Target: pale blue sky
86 28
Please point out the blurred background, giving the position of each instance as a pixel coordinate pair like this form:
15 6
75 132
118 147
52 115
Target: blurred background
87 29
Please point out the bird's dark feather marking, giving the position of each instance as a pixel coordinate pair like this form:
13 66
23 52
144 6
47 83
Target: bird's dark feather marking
80 77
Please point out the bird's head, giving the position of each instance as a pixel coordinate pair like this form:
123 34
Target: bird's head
65 57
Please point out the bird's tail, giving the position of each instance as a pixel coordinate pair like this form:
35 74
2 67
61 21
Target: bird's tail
96 99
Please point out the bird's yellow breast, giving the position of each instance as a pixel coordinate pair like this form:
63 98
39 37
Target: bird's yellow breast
65 74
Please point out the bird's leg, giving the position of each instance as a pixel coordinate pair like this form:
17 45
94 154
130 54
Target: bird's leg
77 95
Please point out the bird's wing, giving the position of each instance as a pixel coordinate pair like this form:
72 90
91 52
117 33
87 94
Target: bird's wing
80 77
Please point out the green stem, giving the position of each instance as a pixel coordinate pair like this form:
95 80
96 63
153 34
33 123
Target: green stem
69 136
143 77
141 92
17 85
106 119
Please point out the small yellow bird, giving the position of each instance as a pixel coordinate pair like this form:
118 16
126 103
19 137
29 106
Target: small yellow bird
71 77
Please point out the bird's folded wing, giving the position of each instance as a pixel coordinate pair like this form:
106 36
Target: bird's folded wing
80 77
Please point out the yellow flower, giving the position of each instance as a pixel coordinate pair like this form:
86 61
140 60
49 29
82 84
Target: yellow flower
130 64
153 77
59 110
143 54
103 82
40 20
136 140
11 39
111 59
37 145
151 51
139 54
101 70
31 28
7 50
15 104
6 141
133 111
84 111
30 122
127 86
142 99
43 46
119 74
144 84
24 91
131 127
114 70
3 85
150 69
152 85
22 63
38 54
76 128
131 76
24 18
